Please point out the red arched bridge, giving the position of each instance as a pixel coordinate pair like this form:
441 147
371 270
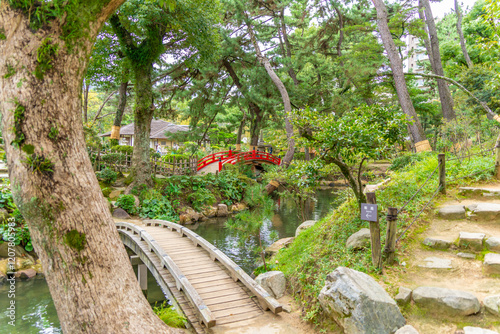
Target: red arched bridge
217 160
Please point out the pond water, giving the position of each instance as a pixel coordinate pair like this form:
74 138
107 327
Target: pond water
35 311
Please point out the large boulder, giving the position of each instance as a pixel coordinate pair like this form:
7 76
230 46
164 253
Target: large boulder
359 240
452 212
447 301
238 207
19 251
222 210
304 226
359 304
281 243
190 217
492 304
121 214
210 211
273 282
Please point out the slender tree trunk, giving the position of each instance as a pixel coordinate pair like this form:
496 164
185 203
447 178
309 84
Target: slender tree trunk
86 89
288 48
458 11
420 141
143 115
437 66
86 267
427 42
287 159
356 185
117 122
240 130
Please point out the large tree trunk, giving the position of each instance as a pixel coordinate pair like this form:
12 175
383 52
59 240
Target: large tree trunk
427 42
86 266
458 11
117 122
437 66
416 131
143 115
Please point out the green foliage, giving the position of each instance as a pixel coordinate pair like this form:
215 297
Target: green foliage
170 157
2 34
158 208
107 176
21 236
114 158
255 196
406 159
54 132
320 249
201 198
106 191
127 203
75 240
18 123
11 70
123 149
169 316
39 164
45 55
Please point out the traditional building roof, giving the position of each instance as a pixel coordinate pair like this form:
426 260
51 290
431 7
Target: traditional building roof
158 129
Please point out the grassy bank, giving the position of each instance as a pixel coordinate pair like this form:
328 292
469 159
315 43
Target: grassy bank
320 249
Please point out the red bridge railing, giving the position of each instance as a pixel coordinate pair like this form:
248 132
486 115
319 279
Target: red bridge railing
231 157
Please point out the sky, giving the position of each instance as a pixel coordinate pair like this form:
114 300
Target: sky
439 9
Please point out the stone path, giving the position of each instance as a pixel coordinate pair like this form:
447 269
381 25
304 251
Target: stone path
454 271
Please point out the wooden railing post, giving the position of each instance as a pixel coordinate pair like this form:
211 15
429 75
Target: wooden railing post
442 173
497 159
220 164
173 167
390 239
375 235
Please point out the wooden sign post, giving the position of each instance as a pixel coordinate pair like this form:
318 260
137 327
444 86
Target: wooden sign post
369 212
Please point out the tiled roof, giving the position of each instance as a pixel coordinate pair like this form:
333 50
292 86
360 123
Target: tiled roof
158 129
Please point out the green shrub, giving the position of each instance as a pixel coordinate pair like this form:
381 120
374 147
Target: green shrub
106 191
158 208
114 158
169 316
122 149
107 176
201 198
127 203
21 236
176 156
406 160
254 195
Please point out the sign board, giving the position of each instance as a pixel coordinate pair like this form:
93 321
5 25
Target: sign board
369 212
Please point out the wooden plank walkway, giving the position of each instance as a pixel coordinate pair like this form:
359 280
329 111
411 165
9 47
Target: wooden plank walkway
208 287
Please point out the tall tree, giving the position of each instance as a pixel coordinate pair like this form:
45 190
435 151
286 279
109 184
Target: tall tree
458 11
437 67
417 133
145 33
87 269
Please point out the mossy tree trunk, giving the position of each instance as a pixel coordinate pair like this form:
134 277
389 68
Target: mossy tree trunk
143 114
122 103
86 266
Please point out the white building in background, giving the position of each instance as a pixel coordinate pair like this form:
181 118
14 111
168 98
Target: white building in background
415 55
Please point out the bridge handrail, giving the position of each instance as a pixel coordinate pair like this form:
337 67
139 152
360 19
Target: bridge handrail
181 281
265 299
258 155
211 158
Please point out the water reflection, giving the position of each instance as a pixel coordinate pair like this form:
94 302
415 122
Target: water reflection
284 221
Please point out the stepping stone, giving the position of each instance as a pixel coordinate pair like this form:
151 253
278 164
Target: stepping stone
281 243
493 243
480 191
437 243
477 330
492 263
492 304
467 255
471 240
404 296
487 211
471 207
121 214
448 301
452 212
408 329
436 263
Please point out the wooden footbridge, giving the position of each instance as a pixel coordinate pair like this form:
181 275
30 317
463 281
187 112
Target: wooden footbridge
199 279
